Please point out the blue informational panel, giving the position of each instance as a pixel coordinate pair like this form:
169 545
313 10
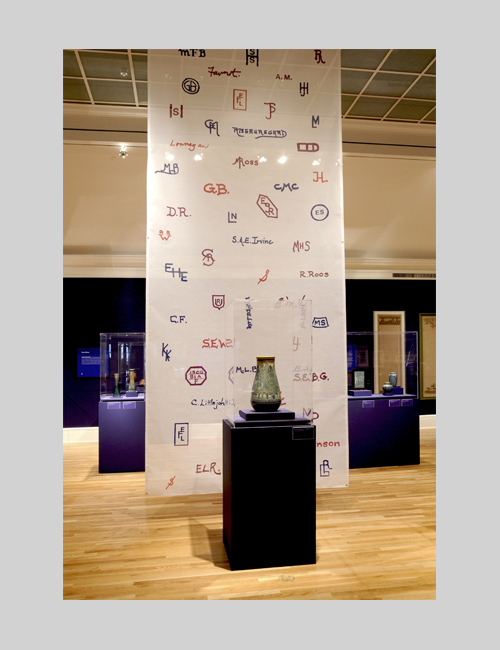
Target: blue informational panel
352 352
88 364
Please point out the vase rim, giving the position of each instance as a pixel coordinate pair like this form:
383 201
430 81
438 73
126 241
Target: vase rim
264 358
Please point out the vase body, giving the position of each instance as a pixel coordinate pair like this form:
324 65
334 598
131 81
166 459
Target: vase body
266 395
393 378
116 392
387 387
131 379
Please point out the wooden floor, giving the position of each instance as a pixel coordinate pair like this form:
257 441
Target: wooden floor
376 539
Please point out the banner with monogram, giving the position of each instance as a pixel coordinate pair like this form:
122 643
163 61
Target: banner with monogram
244 202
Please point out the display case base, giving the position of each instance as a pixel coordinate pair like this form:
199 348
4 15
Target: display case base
269 493
249 415
384 431
122 434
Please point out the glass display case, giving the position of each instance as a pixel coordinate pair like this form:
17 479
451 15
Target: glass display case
382 363
122 361
271 342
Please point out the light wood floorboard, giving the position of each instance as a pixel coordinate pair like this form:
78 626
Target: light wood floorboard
376 539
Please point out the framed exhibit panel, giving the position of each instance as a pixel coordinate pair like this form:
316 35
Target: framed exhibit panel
427 356
358 378
362 356
389 346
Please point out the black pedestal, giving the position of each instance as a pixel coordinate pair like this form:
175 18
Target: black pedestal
269 493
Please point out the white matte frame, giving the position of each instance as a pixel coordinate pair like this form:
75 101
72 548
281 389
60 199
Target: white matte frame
401 370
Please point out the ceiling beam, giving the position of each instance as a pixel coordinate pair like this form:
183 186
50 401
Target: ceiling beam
117 125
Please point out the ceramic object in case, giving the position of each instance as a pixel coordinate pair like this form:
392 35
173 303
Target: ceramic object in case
387 387
266 395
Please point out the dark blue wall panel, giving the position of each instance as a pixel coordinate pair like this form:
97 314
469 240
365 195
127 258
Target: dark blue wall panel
92 306
414 297
95 305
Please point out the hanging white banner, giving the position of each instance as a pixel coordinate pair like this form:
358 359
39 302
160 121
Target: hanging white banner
244 202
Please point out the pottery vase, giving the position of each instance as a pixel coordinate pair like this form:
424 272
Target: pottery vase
131 379
116 392
266 395
387 387
393 378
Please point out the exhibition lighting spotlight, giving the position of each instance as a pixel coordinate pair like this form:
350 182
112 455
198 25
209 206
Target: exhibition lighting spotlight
282 160
123 153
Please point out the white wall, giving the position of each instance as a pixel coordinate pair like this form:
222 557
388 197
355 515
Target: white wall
104 200
389 204
389 207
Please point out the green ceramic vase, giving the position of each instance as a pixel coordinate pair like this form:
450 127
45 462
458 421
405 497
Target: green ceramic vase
387 388
266 394
116 392
131 379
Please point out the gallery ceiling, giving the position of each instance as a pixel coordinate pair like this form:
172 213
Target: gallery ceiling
388 100
380 85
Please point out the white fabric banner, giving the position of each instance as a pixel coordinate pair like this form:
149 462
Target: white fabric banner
244 202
